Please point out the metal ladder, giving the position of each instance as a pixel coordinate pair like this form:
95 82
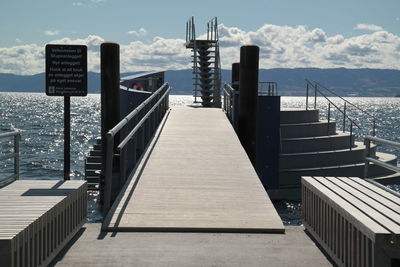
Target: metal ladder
206 64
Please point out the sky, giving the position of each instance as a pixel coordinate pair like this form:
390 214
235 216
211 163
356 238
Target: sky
290 33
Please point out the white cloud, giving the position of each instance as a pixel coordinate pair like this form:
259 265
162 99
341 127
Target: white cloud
280 47
18 40
138 33
77 4
368 27
99 1
51 32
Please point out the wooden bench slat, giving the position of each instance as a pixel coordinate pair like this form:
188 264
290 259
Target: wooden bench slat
365 223
368 199
361 205
379 191
372 194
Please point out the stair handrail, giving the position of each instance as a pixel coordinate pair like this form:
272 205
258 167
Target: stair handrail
348 102
367 140
157 100
16 135
330 102
317 85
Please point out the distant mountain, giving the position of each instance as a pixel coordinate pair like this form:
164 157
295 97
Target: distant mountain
353 82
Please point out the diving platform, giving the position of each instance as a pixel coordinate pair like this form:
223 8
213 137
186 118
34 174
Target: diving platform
194 177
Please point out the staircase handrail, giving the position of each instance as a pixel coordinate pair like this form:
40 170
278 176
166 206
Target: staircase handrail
348 102
330 102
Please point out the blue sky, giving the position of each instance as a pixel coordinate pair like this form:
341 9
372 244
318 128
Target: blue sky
28 25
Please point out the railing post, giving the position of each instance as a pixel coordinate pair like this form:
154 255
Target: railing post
307 96
17 138
367 143
373 128
315 96
344 117
351 133
329 115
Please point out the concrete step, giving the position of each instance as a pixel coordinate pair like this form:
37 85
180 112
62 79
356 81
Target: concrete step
92 166
91 173
92 179
309 129
316 143
324 158
295 115
94 159
93 186
97 147
291 177
95 153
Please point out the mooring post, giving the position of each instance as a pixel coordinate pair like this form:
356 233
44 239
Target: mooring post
110 109
235 96
248 87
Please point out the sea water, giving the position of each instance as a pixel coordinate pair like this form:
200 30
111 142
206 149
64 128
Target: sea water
40 120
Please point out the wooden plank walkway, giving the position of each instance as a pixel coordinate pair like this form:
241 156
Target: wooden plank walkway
195 177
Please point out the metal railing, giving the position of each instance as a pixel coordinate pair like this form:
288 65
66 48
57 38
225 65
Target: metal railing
316 86
368 158
16 156
146 117
231 100
267 89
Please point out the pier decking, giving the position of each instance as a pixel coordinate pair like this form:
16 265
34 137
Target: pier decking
195 177
195 200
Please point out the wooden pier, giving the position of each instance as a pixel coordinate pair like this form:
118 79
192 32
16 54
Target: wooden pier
194 200
195 176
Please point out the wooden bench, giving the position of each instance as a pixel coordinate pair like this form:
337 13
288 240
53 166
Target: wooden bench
37 219
356 222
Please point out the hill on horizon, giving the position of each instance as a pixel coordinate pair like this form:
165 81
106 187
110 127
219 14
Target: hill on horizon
291 82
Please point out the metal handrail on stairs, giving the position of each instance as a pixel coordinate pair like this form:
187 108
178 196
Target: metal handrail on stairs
16 156
343 112
316 87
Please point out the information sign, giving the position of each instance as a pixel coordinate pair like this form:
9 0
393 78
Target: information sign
66 70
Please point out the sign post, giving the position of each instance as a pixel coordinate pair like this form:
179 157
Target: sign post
66 75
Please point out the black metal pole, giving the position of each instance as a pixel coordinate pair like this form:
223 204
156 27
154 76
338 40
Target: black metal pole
67 137
307 97
248 87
